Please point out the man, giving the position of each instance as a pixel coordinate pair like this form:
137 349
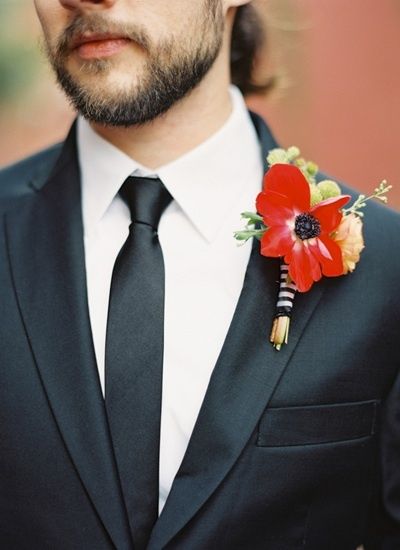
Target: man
142 405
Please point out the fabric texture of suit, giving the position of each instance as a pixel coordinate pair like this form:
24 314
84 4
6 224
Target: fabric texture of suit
292 450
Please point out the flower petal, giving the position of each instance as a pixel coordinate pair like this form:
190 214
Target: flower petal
314 263
329 255
276 241
274 208
328 212
301 270
288 180
350 239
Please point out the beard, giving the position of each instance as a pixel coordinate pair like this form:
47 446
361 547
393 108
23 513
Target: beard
172 68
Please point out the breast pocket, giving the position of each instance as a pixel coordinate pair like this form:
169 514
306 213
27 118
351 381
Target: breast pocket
317 424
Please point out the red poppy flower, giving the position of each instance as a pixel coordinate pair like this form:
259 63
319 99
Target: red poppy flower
297 232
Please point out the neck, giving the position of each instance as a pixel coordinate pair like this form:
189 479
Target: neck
187 124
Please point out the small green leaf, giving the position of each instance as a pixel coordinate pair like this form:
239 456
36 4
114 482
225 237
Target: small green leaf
252 217
247 234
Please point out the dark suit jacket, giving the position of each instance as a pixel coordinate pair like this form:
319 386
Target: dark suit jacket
292 449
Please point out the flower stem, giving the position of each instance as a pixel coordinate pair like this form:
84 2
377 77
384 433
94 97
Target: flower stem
280 332
360 203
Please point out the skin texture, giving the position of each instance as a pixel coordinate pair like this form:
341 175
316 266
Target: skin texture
110 49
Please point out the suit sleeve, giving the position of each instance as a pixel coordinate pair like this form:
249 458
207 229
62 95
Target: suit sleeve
384 521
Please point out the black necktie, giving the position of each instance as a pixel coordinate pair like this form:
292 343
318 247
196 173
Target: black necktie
134 354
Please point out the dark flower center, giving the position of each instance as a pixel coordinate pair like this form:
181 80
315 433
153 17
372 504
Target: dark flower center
306 226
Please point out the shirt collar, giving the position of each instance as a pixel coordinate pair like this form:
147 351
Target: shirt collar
205 182
104 168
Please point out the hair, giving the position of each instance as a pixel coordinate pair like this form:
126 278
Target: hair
248 38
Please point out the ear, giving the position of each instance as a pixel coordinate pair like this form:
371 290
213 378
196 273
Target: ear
230 6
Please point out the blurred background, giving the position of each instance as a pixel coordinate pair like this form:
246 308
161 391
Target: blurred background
337 95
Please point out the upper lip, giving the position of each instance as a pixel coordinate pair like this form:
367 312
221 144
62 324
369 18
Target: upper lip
94 37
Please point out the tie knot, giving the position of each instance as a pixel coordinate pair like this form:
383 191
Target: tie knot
147 198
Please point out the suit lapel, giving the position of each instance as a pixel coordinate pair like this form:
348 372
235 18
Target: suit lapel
45 243
243 381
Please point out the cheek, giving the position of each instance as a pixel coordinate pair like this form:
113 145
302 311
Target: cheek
164 19
53 18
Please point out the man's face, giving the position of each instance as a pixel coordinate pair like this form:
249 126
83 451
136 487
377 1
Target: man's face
125 62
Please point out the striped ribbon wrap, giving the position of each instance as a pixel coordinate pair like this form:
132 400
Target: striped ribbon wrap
287 291
284 306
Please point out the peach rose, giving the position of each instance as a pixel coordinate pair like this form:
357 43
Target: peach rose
350 239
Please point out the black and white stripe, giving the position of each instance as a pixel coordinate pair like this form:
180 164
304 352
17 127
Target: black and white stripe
286 294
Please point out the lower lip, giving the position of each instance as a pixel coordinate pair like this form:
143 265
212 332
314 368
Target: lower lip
101 48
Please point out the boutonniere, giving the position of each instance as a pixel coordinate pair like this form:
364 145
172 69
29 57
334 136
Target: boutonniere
306 224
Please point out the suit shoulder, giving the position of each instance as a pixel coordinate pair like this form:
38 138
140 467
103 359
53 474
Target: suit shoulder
17 180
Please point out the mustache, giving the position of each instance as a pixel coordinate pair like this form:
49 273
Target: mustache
97 24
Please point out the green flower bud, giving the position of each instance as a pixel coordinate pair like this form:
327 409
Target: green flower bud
292 153
316 196
329 189
277 156
300 163
312 168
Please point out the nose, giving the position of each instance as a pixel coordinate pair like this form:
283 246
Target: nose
87 4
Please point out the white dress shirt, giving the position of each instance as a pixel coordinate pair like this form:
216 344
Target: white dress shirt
204 267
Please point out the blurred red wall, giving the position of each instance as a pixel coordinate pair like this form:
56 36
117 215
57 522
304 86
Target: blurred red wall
342 107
